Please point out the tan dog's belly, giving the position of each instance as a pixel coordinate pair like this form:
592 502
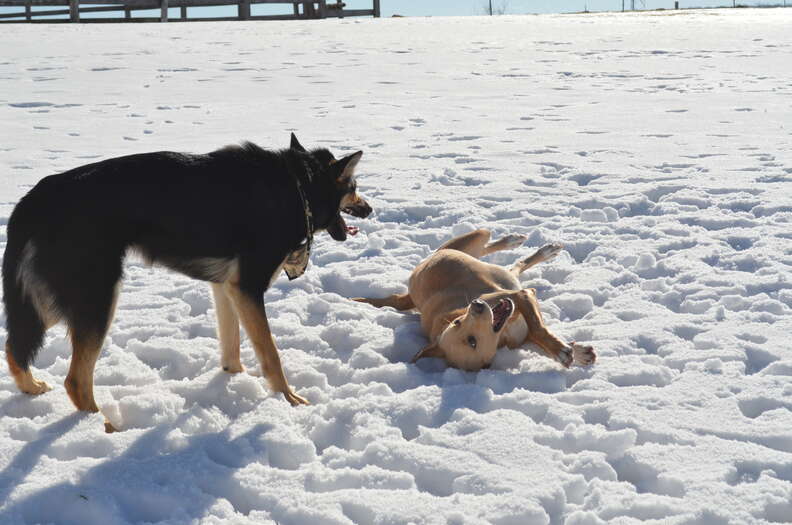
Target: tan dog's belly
470 308
515 333
449 279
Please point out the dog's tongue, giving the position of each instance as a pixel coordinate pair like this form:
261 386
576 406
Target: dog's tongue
352 230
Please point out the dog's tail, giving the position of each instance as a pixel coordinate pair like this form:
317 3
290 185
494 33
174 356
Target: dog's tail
23 321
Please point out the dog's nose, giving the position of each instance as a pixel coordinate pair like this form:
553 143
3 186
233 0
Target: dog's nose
478 306
359 209
365 209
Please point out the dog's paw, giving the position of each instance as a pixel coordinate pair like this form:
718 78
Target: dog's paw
513 240
549 251
565 356
294 399
36 387
109 428
583 355
233 368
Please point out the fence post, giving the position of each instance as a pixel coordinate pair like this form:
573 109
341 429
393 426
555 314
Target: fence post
243 9
163 10
322 8
127 13
27 10
377 8
184 12
74 10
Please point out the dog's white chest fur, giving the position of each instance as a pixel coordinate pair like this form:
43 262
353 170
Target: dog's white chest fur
515 332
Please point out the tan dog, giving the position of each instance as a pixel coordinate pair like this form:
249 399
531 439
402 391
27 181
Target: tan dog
468 333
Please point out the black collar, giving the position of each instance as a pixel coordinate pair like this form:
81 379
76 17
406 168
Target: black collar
297 260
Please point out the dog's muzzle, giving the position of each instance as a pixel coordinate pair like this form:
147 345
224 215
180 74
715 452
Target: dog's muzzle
478 306
360 209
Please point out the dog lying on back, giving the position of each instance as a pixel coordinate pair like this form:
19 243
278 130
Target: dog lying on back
466 333
234 217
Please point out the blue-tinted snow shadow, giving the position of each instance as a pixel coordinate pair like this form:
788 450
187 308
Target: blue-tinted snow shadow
159 477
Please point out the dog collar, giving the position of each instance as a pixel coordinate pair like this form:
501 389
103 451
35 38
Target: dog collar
297 261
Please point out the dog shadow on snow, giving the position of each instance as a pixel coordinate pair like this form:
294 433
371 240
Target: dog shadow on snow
162 475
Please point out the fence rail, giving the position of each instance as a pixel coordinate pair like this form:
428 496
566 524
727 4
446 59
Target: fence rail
74 8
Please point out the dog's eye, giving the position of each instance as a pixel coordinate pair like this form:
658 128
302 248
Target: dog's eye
457 322
472 341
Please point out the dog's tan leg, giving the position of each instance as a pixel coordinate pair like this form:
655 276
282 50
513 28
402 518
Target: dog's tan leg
254 319
526 302
227 330
86 347
545 253
472 243
79 380
398 301
513 240
476 243
24 378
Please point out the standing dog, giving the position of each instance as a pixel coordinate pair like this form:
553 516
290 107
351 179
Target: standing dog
234 217
465 333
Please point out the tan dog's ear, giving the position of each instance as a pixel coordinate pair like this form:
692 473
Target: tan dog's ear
429 351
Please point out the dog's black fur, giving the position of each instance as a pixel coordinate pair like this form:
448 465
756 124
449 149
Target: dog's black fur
68 236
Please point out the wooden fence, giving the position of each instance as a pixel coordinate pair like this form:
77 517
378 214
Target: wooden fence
74 8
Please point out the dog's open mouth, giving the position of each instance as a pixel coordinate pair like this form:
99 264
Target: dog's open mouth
339 229
351 230
500 313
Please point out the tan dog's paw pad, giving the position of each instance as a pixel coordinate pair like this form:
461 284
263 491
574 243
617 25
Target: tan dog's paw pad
584 355
565 357
513 240
549 251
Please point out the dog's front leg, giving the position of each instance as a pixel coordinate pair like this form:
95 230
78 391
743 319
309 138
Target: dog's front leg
526 303
254 319
227 330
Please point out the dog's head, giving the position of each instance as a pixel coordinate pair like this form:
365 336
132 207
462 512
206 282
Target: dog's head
471 338
337 184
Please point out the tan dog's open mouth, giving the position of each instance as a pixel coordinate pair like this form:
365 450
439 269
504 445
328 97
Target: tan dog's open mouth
500 313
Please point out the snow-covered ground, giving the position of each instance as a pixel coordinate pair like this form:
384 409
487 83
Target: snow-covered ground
656 146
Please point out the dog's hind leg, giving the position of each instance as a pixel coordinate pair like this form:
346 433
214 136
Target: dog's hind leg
24 378
472 243
88 323
511 241
227 330
545 253
476 243
400 302
86 347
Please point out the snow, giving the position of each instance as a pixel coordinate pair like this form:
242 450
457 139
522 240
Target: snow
656 146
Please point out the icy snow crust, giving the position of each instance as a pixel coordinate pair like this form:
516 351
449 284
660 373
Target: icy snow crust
656 147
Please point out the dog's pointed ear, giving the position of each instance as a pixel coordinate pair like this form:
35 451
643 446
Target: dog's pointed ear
342 170
295 144
431 350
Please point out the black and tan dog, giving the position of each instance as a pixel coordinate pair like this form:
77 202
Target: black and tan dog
234 217
466 333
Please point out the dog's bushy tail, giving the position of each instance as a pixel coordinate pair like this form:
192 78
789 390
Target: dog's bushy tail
23 322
